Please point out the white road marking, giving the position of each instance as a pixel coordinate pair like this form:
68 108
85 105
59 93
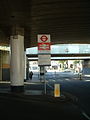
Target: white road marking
85 115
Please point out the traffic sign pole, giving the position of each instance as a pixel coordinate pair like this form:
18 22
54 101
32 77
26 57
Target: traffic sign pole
44 56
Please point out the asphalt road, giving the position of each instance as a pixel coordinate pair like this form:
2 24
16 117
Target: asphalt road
34 104
72 84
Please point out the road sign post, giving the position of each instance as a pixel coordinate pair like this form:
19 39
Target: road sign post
44 53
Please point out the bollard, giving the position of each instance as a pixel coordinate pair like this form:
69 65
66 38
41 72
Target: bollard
80 76
56 90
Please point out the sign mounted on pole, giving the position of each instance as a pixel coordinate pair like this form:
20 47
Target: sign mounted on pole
44 38
44 44
44 60
44 55
44 50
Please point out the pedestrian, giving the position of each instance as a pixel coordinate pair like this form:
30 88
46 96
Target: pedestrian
30 75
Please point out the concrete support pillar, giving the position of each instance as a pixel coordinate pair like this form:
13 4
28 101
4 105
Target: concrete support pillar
0 65
25 66
27 69
17 62
86 67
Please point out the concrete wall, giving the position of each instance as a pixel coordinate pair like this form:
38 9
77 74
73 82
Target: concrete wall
4 65
0 65
86 67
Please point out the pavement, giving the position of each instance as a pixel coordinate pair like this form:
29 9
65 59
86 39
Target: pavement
37 107
34 104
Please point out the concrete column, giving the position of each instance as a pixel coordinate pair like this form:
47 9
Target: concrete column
25 66
0 65
86 67
27 69
17 63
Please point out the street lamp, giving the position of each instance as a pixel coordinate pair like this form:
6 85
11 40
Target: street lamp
66 50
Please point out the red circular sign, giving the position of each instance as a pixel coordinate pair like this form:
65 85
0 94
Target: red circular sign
44 38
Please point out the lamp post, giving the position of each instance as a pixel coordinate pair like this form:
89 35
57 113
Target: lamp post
66 50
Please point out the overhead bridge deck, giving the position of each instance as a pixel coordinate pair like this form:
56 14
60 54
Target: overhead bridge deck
32 57
65 51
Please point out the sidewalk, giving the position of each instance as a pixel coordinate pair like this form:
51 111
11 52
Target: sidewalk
34 105
37 107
